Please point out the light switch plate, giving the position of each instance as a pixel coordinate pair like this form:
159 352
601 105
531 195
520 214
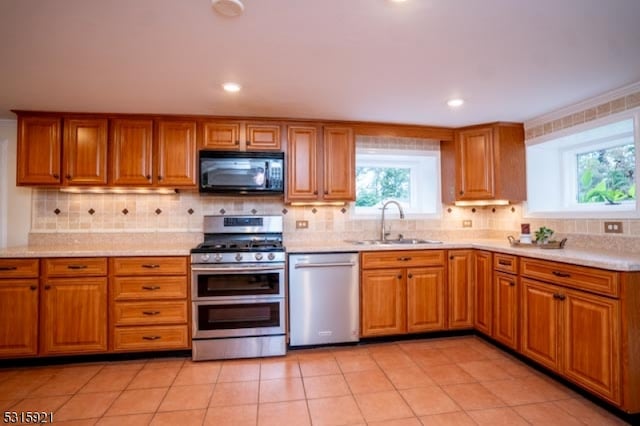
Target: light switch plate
613 227
302 224
467 223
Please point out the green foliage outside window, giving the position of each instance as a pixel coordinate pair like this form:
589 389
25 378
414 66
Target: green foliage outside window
376 184
607 175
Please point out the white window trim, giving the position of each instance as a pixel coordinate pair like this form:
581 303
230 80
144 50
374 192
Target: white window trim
620 211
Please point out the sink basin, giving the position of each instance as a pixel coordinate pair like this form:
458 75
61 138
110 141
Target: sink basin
403 241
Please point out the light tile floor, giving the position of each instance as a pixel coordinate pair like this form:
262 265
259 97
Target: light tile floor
455 381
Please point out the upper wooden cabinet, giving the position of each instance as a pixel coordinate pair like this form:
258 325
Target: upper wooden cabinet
39 150
320 168
176 154
131 151
485 162
85 151
241 136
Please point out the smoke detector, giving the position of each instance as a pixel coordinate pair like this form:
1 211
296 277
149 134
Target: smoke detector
228 7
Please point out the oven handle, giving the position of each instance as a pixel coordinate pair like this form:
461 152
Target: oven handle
323 265
246 269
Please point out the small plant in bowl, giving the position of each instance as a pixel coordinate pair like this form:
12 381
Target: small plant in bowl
543 235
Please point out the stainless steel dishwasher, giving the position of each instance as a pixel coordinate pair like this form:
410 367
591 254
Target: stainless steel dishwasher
324 293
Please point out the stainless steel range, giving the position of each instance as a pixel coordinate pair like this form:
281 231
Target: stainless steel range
238 288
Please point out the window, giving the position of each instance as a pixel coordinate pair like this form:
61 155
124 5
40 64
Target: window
592 172
411 177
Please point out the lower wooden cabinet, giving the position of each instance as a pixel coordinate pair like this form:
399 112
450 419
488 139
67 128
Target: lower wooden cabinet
460 291
18 317
383 302
425 299
483 273
505 309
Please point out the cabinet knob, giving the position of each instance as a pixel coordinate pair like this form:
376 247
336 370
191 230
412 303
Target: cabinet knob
248 143
399 277
512 283
410 275
326 192
450 257
68 177
56 176
160 177
33 287
315 192
237 143
148 177
47 287
461 192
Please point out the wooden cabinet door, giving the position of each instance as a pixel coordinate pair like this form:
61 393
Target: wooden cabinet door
263 137
85 151
18 317
505 307
176 154
302 164
474 168
39 151
74 316
591 354
131 152
216 135
483 272
339 164
540 318
383 302
460 289
425 299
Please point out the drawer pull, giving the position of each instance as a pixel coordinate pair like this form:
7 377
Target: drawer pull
561 274
504 262
151 312
77 266
151 337
404 259
559 296
151 287
512 284
8 268
150 265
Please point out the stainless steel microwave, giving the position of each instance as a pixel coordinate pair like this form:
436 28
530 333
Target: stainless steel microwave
230 173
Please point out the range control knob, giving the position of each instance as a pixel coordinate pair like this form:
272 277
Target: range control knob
204 257
238 257
258 256
271 256
218 257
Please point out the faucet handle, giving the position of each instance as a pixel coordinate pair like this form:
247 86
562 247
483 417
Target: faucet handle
400 237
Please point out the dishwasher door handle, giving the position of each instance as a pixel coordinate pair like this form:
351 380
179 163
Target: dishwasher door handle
324 265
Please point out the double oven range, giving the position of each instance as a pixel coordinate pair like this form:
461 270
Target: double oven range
238 288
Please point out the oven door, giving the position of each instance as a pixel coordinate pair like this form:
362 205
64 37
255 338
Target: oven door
244 282
233 318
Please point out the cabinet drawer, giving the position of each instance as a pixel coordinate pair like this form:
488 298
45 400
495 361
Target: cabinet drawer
403 258
77 266
19 268
148 266
579 277
150 313
149 288
150 338
505 263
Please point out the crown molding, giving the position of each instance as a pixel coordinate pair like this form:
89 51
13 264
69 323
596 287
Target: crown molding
583 105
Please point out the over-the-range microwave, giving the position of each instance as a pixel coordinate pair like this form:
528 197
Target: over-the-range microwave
230 173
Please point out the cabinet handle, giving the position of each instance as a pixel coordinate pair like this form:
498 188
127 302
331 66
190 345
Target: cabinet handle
315 192
77 266
160 177
56 176
461 192
399 277
150 265
8 268
326 192
148 177
404 259
410 275
512 283
559 296
150 288
248 143
237 143
33 287
504 262
47 287
151 312
450 257
151 337
68 177
561 274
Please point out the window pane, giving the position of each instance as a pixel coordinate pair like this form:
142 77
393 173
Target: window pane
375 184
607 175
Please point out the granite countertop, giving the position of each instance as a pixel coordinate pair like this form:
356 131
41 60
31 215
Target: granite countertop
131 249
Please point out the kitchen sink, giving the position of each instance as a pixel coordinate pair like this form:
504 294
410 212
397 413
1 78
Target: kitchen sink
403 241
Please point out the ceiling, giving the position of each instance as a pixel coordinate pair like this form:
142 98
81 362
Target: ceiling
369 60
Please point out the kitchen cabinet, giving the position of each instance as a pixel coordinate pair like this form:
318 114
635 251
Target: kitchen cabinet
484 162
241 136
320 164
176 154
572 331
460 289
73 310
506 300
131 152
402 291
84 151
148 303
39 151
483 277
18 307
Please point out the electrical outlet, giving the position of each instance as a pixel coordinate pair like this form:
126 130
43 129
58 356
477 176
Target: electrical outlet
467 223
613 227
302 224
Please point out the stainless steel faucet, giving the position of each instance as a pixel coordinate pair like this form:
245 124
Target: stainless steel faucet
383 232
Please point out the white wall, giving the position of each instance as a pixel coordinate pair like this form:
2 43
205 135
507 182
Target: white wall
15 205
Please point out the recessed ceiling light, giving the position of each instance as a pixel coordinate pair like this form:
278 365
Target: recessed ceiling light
455 103
228 7
231 87
398 1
